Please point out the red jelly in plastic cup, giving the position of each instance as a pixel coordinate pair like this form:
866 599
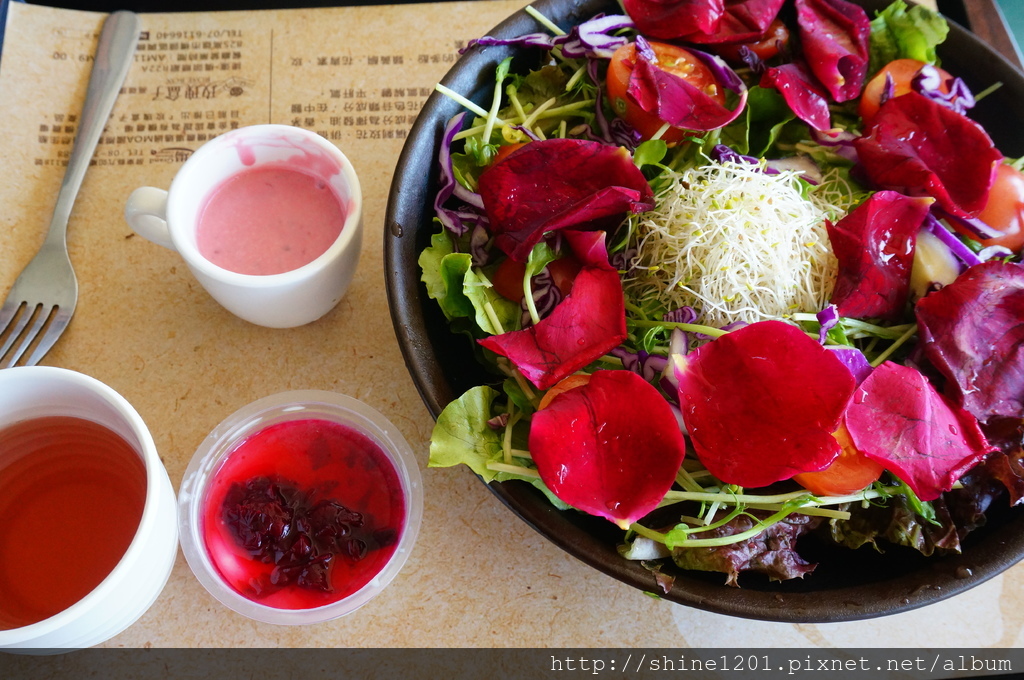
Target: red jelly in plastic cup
300 507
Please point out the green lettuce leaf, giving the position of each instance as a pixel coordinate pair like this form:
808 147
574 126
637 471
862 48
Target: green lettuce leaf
901 33
485 301
460 291
462 436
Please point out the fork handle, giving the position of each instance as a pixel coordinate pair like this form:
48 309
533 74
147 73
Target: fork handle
114 54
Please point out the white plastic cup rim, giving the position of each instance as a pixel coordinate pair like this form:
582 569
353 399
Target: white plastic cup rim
251 419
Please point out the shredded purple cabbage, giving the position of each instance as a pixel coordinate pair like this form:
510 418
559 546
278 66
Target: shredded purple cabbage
811 173
993 252
478 241
623 260
456 221
828 318
722 72
680 339
648 366
526 131
980 229
888 89
853 359
960 251
546 296
928 82
591 39
721 153
841 142
682 315
541 40
617 132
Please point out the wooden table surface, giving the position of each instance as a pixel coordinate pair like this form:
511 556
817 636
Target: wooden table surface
986 20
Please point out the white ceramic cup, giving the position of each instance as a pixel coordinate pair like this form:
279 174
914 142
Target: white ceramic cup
133 585
293 298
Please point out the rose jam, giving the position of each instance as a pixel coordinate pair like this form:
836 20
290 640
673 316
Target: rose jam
302 513
71 498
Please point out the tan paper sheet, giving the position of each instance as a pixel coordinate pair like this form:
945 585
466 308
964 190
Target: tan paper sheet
478 576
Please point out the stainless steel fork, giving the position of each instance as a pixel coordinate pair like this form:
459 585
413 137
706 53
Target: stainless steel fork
46 292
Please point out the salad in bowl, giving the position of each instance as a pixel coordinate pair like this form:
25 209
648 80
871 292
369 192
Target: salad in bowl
742 282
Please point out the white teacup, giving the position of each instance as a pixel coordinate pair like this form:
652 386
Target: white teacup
127 591
278 300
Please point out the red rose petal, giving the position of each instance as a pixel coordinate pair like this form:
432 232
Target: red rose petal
803 94
743 21
678 102
589 322
555 184
921 148
610 448
761 403
835 36
875 247
669 19
898 419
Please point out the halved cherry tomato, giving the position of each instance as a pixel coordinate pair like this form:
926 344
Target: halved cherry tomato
508 277
902 72
670 59
567 383
765 47
505 150
1004 210
849 473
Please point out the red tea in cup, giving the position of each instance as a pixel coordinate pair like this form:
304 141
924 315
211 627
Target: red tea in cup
72 494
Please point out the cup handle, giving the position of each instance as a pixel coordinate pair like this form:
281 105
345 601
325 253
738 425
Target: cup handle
146 212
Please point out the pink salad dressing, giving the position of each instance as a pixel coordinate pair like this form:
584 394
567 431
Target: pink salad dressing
268 220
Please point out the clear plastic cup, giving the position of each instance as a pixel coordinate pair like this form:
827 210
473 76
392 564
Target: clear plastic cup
223 442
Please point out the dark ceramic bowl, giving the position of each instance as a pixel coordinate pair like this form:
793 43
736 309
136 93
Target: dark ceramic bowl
847 584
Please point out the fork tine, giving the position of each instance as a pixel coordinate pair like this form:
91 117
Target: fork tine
60 319
40 314
7 313
15 331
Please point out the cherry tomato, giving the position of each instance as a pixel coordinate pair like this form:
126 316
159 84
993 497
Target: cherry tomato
670 59
902 72
505 150
765 47
1004 210
508 277
563 385
849 473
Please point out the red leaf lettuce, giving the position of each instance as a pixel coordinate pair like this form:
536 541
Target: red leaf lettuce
973 332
